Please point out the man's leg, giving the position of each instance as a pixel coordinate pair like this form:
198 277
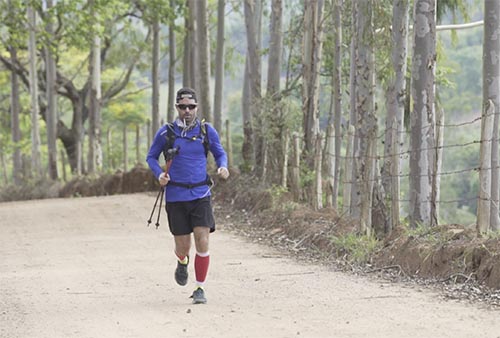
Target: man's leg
182 247
201 261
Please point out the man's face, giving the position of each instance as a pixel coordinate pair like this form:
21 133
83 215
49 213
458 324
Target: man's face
187 108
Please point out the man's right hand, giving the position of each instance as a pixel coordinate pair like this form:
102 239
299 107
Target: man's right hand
163 179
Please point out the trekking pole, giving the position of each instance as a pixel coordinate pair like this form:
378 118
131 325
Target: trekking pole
159 209
169 156
154 207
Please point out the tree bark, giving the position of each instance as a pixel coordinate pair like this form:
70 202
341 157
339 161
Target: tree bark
51 119
33 86
252 11
311 62
219 65
491 98
366 119
155 76
422 119
204 61
172 45
396 98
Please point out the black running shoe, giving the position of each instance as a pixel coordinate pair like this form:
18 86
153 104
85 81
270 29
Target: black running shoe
199 296
181 273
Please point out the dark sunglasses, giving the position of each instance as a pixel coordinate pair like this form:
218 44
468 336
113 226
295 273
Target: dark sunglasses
184 106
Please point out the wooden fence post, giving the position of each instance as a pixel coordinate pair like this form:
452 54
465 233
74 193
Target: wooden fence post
347 187
317 187
295 179
125 149
229 144
484 199
394 174
284 171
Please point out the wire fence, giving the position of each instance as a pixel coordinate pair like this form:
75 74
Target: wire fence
461 141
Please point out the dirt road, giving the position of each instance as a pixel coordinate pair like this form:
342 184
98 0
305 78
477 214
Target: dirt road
89 267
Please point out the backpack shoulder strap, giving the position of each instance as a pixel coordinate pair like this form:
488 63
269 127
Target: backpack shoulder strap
204 135
170 136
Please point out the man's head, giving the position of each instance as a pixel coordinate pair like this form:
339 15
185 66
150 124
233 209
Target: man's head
186 104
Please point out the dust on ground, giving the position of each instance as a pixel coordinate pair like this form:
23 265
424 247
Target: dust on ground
90 267
451 258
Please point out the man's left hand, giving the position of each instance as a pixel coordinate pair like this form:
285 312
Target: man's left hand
223 172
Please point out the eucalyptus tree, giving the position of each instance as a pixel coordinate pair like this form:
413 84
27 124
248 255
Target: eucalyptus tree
366 119
33 88
204 60
219 65
252 154
12 16
191 74
172 58
488 209
74 32
396 100
155 13
51 91
94 128
311 63
333 133
422 118
275 130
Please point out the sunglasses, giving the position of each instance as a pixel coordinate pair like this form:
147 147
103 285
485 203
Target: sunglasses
184 106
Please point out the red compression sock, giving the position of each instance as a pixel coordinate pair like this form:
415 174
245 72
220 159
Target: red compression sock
201 262
182 259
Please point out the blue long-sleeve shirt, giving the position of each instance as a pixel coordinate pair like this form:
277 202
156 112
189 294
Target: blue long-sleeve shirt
189 166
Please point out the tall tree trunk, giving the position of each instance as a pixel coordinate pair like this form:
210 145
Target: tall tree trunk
190 57
366 122
247 152
51 119
155 76
219 66
171 68
311 62
353 196
125 148
334 136
204 60
252 11
396 98
422 121
194 57
491 98
275 118
35 130
15 109
95 150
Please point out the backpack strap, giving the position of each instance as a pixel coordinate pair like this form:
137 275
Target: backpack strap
208 181
204 135
170 136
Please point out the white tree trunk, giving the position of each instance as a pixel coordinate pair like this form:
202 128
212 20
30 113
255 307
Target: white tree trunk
219 66
422 120
204 61
396 97
484 200
366 119
51 119
33 77
155 76
491 74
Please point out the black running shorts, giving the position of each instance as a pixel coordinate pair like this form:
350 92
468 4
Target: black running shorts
184 216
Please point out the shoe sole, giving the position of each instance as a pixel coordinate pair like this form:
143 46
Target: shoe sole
199 301
179 281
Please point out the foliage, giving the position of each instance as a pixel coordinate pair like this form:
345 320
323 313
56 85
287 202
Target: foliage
356 248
